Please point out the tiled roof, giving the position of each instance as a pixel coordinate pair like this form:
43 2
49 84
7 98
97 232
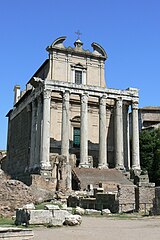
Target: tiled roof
94 176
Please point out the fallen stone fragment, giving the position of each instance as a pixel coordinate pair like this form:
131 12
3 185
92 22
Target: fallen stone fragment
73 220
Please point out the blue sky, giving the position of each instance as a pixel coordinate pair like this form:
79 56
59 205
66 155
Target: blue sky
129 31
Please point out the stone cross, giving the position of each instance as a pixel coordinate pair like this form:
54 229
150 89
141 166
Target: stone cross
78 34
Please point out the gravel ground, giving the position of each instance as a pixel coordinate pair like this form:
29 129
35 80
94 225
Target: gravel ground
95 228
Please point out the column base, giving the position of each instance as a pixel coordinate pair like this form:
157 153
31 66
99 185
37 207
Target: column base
46 173
45 166
83 165
135 167
103 166
34 169
120 167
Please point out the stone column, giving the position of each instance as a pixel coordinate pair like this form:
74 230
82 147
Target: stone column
65 125
126 143
38 132
84 132
102 133
135 137
33 136
45 149
119 135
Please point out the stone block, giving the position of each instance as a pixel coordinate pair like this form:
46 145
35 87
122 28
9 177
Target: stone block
106 212
29 206
9 233
79 211
40 217
51 207
60 214
92 212
73 220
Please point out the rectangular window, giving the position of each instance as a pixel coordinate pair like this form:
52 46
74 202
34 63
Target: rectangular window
76 137
78 77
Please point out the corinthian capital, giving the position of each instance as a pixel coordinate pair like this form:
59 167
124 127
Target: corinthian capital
47 93
84 98
135 105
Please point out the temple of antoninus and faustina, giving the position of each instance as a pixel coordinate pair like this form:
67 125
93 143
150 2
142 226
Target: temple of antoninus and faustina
67 116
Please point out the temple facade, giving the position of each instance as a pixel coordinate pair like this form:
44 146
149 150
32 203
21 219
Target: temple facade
67 110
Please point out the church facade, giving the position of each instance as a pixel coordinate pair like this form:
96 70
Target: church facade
67 110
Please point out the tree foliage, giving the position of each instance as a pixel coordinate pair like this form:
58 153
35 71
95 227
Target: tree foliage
150 154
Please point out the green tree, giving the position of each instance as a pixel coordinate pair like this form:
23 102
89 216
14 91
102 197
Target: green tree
150 154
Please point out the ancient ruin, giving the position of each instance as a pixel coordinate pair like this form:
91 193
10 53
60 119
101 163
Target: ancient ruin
67 127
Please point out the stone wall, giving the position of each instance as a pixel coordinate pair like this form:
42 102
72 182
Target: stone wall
145 197
13 194
157 201
19 131
126 197
42 189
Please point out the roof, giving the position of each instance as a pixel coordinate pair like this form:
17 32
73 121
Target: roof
150 108
98 51
38 70
94 176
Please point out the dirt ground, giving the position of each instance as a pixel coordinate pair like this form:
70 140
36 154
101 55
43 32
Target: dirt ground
95 228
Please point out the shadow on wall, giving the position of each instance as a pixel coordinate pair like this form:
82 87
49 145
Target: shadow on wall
93 150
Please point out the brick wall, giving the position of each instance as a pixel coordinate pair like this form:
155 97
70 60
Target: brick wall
18 144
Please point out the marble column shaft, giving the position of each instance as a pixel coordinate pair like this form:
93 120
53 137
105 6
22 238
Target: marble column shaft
45 149
135 137
84 131
65 125
126 137
119 135
102 133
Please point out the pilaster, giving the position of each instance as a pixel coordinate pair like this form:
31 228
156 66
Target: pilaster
38 132
33 135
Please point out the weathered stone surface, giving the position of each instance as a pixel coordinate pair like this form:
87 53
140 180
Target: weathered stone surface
126 197
51 207
145 197
40 217
73 220
13 194
29 206
92 212
106 211
79 211
9 233
42 189
60 214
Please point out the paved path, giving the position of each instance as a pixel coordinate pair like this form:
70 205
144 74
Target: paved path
95 228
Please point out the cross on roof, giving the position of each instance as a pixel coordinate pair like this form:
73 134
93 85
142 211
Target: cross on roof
78 34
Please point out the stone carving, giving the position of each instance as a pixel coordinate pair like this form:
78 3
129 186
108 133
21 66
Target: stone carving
47 94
